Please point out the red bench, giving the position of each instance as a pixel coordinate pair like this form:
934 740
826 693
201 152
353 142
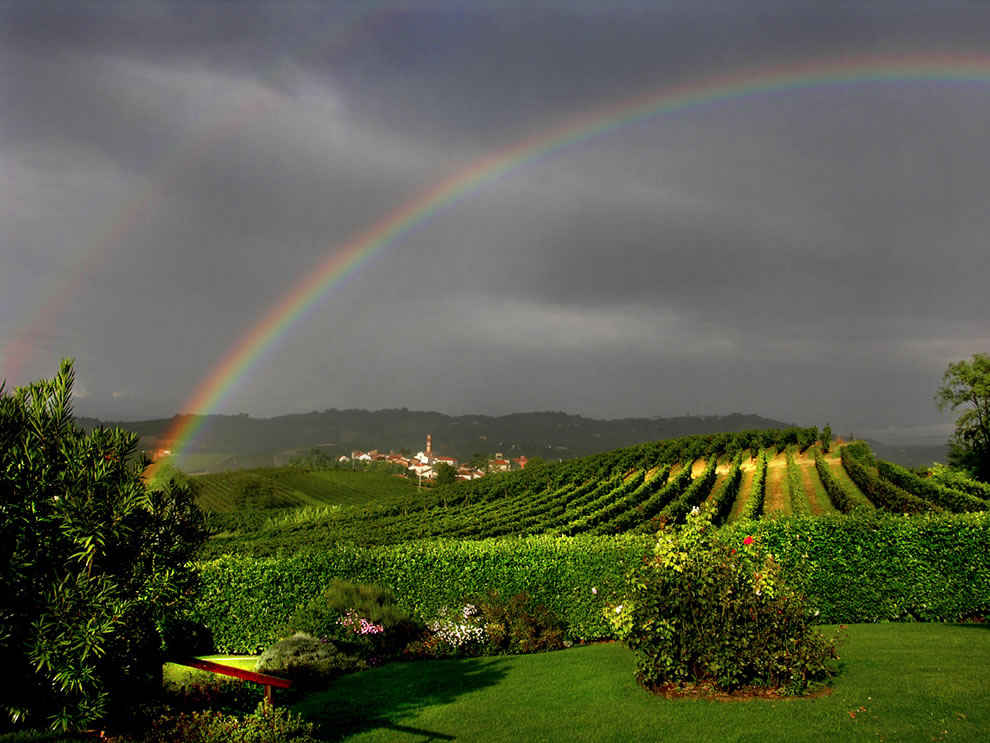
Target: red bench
258 678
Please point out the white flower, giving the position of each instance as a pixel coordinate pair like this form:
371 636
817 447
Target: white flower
618 609
695 511
594 591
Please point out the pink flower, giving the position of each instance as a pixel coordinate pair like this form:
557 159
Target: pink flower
748 541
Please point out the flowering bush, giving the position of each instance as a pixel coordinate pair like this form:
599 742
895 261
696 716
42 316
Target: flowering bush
703 610
358 624
361 619
490 626
519 624
461 633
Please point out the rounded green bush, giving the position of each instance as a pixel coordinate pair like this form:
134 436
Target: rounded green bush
703 610
307 661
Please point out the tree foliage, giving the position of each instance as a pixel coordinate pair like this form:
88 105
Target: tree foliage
92 562
966 384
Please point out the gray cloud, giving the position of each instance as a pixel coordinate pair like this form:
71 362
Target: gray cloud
173 170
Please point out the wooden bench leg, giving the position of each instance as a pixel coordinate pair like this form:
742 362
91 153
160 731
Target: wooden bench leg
268 695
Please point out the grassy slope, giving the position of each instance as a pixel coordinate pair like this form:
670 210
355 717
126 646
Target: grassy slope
777 501
818 499
898 682
745 489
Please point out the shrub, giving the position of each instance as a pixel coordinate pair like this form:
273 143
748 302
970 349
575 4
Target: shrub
491 625
703 610
454 632
307 661
361 617
519 624
267 724
92 562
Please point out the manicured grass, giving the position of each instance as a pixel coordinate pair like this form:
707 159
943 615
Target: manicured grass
899 682
173 673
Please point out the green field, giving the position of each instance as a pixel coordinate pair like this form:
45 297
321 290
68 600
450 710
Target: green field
898 682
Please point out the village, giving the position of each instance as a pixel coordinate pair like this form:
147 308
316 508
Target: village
425 465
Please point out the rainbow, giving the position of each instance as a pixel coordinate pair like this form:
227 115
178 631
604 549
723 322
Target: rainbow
345 258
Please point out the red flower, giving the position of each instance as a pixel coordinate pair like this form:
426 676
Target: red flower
748 541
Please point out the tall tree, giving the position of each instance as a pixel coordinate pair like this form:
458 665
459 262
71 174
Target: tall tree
966 385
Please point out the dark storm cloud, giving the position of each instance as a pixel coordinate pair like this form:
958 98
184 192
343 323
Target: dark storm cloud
173 169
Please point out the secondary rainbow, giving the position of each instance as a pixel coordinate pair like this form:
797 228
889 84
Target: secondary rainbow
344 258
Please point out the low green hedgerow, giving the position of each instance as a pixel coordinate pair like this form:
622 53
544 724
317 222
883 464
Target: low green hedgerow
864 568
246 602
708 610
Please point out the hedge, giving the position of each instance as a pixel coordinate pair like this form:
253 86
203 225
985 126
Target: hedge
245 601
853 569
885 567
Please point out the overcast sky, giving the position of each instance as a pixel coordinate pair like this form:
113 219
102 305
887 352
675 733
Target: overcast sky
169 171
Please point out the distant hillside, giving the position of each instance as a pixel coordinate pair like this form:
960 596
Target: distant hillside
911 456
255 442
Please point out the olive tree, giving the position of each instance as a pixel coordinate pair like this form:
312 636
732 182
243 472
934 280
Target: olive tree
92 562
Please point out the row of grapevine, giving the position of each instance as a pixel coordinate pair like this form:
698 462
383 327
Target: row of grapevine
956 480
602 523
652 481
842 498
952 500
720 503
754 506
883 494
654 504
701 487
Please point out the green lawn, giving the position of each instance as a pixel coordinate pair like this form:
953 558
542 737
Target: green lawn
899 682
173 673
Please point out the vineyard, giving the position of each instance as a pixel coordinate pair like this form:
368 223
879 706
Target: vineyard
286 487
750 475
